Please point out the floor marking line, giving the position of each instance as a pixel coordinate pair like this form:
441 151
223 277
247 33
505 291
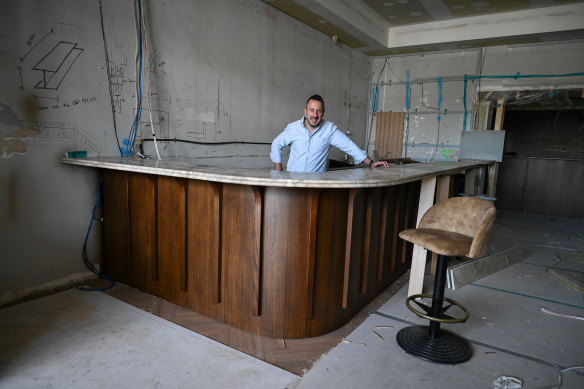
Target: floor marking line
513 353
527 295
552 267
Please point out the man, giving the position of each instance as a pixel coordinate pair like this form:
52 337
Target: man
311 138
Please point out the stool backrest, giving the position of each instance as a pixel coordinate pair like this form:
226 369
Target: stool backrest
468 216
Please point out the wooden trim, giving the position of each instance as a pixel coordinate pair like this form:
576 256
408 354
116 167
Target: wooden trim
367 241
492 179
410 190
215 263
186 238
499 116
310 271
427 191
382 233
350 214
257 251
399 199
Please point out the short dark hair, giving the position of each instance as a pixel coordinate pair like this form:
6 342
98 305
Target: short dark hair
316 98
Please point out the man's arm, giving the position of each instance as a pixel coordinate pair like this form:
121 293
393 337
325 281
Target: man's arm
276 150
344 143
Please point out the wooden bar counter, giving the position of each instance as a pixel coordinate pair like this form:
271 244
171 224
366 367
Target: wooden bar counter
278 254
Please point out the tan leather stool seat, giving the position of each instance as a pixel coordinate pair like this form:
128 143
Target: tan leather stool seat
439 241
458 226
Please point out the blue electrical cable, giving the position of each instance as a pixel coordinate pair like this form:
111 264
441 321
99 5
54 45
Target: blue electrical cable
86 258
138 116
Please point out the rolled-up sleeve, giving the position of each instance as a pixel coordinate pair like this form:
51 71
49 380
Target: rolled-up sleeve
277 144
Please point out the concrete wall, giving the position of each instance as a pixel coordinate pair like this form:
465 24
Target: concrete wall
431 88
220 70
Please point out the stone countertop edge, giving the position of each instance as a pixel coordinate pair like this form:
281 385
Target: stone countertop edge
349 178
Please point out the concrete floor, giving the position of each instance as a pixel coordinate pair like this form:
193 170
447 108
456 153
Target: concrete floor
77 339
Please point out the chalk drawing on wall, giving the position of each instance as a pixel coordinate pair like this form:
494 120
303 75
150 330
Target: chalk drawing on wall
62 133
117 80
56 64
194 121
159 120
30 41
53 60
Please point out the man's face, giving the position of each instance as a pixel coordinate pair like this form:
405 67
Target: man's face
313 113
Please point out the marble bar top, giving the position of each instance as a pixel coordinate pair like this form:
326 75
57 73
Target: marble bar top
193 168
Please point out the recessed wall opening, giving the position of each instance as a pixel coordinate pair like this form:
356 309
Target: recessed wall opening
543 160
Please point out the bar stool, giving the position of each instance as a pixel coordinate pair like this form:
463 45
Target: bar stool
458 226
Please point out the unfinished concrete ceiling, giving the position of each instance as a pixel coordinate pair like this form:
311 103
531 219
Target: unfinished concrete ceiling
382 27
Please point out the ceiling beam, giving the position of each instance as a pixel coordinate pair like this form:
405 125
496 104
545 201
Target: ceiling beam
355 17
488 27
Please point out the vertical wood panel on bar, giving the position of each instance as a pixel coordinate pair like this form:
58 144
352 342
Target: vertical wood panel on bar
257 251
350 215
397 216
116 215
312 234
142 192
171 239
383 233
367 241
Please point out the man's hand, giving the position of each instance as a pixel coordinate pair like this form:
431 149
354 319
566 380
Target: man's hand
278 166
380 163
372 164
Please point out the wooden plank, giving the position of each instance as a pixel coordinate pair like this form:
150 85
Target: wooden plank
350 214
484 116
116 224
171 238
499 116
427 191
492 179
367 242
398 210
204 250
383 232
216 266
407 218
471 271
311 252
389 132
257 252
143 266
470 181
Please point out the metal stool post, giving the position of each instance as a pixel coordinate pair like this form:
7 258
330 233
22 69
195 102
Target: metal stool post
430 343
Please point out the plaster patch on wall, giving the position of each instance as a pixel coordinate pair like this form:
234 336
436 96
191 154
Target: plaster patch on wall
12 133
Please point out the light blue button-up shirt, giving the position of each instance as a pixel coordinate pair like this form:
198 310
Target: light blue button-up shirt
309 153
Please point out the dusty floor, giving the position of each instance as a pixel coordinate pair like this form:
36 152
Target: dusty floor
75 339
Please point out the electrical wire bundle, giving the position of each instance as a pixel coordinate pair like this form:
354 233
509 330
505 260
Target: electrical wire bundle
85 257
136 124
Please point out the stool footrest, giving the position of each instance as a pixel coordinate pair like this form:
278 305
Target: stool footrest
443 318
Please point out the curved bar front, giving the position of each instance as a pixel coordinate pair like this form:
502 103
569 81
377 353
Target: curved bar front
278 254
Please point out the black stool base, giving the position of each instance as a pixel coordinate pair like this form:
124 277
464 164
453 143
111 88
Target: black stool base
448 348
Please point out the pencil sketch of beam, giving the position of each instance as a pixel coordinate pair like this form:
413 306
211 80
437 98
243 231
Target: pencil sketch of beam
56 64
